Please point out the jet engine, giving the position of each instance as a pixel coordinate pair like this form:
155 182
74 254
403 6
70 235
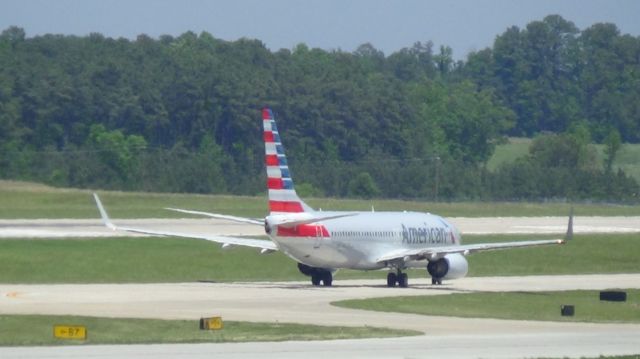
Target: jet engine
451 266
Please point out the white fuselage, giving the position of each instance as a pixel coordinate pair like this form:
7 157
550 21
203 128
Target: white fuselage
357 242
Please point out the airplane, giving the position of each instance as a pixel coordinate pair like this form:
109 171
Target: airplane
322 242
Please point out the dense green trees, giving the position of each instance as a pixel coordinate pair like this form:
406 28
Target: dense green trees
561 163
552 76
182 113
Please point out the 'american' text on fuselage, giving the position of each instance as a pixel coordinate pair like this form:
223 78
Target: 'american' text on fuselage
412 235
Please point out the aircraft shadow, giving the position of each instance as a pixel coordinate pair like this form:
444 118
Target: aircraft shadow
337 286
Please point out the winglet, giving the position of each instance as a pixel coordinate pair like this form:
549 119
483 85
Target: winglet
103 213
569 235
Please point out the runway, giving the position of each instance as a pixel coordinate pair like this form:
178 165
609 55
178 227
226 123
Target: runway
506 346
93 228
301 303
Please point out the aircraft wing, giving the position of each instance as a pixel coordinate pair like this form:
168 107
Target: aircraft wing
264 245
433 253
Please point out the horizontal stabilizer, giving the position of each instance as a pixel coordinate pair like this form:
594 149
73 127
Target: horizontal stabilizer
219 216
290 223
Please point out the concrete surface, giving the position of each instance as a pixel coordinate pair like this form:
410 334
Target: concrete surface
301 303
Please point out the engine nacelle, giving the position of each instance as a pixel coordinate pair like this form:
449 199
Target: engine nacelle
452 266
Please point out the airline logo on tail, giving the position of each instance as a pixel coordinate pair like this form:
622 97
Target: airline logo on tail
282 195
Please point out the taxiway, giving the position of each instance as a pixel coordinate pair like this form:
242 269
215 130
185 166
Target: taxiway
298 302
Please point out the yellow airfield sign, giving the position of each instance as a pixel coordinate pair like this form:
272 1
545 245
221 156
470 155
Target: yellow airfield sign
77 332
213 323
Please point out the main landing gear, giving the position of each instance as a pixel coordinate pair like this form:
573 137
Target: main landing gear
318 275
401 279
436 281
324 277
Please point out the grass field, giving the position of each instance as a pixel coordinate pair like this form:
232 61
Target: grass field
146 260
26 200
628 158
29 330
516 147
520 306
136 260
586 254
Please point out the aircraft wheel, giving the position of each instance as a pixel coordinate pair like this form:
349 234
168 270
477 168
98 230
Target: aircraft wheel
315 279
327 279
403 280
434 281
391 279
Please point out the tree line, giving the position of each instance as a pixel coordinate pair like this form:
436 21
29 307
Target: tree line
181 114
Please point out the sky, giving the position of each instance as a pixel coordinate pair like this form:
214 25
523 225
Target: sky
464 25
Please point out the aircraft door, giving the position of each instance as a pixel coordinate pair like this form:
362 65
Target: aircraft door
318 239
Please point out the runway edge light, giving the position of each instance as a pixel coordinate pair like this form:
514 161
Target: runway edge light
567 310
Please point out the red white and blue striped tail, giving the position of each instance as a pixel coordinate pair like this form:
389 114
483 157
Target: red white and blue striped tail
282 195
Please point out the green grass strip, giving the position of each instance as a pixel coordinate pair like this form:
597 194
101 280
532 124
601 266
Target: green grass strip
137 260
544 306
160 260
24 200
585 254
30 330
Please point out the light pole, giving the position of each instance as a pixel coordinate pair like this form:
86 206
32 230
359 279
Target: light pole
437 178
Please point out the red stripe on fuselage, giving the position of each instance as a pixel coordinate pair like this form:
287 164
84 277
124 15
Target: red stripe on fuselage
268 136
284 206
304 230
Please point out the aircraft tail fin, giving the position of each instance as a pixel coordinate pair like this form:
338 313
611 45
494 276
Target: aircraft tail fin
282 195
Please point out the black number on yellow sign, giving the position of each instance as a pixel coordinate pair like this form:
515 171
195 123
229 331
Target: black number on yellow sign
70 332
